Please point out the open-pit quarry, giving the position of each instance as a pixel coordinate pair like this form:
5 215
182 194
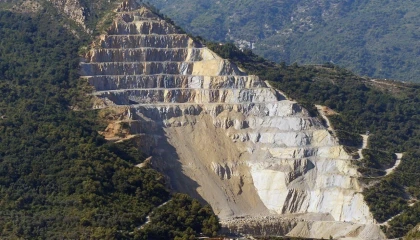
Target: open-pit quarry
227 138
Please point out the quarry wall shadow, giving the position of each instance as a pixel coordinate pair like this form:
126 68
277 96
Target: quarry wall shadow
167 161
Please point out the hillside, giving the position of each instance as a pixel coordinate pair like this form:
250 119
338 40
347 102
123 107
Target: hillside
162 77
222 125
372 38
60 179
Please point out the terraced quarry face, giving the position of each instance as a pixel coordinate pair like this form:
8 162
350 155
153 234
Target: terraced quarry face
223 136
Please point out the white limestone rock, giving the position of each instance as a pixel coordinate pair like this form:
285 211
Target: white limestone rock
235 141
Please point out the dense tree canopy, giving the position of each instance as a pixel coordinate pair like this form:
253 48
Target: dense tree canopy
58 177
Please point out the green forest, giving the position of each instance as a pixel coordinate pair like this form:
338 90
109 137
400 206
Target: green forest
372 38
390 112
59 179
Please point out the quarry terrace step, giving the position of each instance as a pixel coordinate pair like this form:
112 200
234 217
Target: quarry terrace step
135 62
106 83
146 40
314 159
134 68
162 74
158 48
146 35
210 104
197 95
150 67
199 104
135 17
142 20
180 89
132 12
142 27
147 54
262 130
258 132
244 125
157 110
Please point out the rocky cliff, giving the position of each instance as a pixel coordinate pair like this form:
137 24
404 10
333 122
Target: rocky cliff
223 136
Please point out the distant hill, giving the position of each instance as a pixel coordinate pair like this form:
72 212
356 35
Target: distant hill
373 38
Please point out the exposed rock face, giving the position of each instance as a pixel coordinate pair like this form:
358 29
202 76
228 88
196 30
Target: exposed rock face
221 135
318 226
72 9
26 6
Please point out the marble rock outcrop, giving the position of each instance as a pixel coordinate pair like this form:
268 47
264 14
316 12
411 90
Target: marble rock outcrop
221 135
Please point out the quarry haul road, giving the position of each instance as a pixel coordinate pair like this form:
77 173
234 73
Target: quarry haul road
397 163
364 145
148 216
